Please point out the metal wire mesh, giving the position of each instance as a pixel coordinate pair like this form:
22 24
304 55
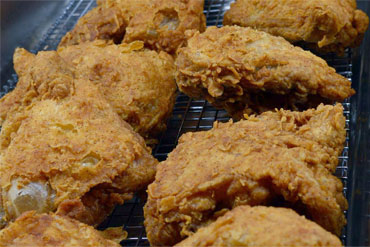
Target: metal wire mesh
188 114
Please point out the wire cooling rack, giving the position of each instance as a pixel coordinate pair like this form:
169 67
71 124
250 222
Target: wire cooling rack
188 114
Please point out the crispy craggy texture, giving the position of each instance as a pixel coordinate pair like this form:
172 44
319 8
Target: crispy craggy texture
106 21
248 71
2 213
49 79
67 150
139 84
261 226
160 23
328 25
278 158
41 230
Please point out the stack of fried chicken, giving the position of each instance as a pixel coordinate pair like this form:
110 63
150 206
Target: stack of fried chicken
77 130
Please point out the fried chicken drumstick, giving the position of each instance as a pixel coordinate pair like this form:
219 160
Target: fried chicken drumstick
63 147
248 71
327 25
50 230
138 83
261 226
160 24
278 158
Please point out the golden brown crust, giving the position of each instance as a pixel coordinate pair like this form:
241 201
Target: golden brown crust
43 230
50 79
330 25
106 22
261 226
247 71
64 148
2 213
277 158
160 24
139 84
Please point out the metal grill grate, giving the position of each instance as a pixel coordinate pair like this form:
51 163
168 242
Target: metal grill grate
188 114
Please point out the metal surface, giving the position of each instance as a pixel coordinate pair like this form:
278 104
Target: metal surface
194 115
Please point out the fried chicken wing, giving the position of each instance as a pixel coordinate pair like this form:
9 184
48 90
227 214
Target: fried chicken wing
261 226
248 71
328 25
279 158
51 230
65 149
160 23
139 84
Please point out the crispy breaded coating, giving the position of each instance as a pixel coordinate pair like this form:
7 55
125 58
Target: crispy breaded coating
139 84
261 226
2 213
49 79
248 71
67 150
277 158
106 21
160 24
43 230
328 25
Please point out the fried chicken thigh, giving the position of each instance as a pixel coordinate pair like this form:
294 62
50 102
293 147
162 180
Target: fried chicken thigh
64 148
51 230
248 71
139 84
261 226
160 23
328 25
279 158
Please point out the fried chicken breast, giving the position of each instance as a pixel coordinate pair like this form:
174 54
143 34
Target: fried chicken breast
139 84
65 149
278 158
328 25
51 230
160 23
248 71
261 226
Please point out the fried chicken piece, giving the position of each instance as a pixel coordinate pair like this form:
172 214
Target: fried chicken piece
49 79
160 23
327 25
277 158
106 21
139 84
67 150
261 226
52 230
248 71
162 26
2 213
